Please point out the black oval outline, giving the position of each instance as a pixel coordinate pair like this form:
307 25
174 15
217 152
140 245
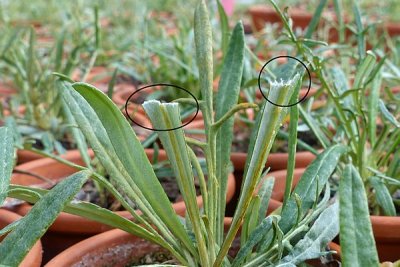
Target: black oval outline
161 84
309 83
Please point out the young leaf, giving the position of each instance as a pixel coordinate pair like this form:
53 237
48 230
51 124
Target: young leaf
6 160
387 115
223 18
265 193
315 19
324 229
227 97
356 237
383 196
16 244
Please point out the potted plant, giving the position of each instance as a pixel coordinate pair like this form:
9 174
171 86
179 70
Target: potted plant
198 239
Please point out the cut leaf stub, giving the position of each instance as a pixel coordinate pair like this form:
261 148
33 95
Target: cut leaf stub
276 75
159 94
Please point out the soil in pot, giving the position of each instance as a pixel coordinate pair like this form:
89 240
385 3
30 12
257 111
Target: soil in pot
34 257
69 229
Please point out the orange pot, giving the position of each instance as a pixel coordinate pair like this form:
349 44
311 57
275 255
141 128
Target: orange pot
24 156
34 257
69 229
386 228
116 248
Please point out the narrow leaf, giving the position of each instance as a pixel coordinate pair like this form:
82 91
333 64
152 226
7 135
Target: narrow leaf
227 97
383 196
387 115
6 160
356 237
17 244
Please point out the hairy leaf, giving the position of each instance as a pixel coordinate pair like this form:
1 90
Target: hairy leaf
17 244
6 160
356 237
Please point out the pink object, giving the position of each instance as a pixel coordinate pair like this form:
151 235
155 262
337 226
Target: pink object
228 6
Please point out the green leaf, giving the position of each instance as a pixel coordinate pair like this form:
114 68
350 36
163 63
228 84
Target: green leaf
17 244
313 125
356 237
373 107
310 185
227 97
204 55
223 18
120 152
315 19
6 160
387 115
360 31
383 197
265 193
323 230
76 132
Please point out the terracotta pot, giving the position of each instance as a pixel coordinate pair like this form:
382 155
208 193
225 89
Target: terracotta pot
34 257
6 90
386 228
387 236
393 28
99 76
276 161
123 92
115 248
69 229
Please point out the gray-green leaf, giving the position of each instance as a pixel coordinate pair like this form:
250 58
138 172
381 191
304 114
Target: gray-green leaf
17 244
356 237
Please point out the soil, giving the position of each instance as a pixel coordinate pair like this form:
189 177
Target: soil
159 257
90 193
164 257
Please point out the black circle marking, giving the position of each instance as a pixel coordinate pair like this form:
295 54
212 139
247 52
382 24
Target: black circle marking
309 83
161 84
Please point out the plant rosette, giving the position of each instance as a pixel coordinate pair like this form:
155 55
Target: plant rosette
386 228
69 229
34 257
118 248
